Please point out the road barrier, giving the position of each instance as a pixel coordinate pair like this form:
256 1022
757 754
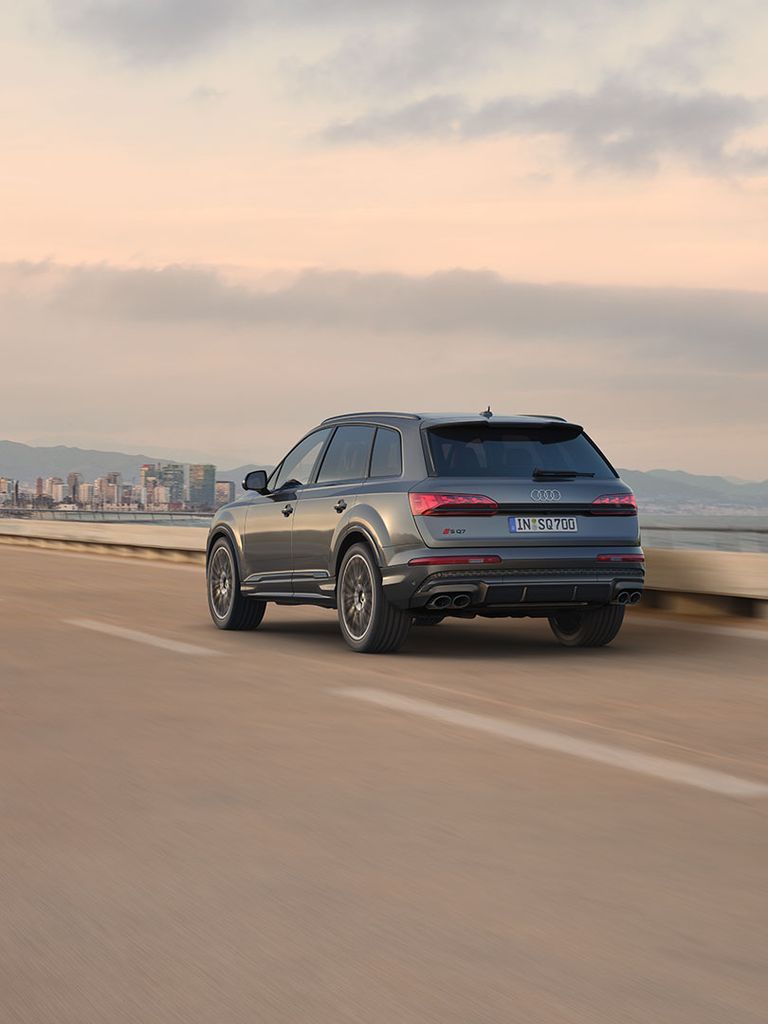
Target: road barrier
684 581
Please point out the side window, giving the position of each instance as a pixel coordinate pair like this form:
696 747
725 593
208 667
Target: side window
347 455
299 463
387 458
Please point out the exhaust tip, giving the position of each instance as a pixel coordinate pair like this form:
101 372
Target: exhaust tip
635 597
461 600
441 601
623 597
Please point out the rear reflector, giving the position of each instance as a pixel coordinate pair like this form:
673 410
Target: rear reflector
621 558
452 504
457 560
615 505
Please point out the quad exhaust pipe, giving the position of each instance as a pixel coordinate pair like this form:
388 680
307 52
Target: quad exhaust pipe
629 597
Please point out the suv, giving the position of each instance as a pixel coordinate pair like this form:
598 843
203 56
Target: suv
397 519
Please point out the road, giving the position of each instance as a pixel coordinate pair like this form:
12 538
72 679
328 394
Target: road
210 828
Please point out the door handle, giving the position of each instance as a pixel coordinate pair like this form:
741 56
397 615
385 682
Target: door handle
340 505
287 511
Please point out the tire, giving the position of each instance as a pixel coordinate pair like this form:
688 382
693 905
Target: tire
228 608
368 623
593 628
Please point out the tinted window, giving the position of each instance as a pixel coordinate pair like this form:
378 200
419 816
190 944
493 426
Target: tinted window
513 453
299 463
387 458
347 455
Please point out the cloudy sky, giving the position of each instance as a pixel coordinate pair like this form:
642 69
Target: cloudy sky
225 219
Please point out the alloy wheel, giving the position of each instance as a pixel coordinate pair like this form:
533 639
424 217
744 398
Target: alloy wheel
357 597
221 581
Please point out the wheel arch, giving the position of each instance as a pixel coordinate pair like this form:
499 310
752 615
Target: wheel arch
355 534
224 530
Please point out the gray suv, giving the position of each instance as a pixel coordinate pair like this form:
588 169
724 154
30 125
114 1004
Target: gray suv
396 519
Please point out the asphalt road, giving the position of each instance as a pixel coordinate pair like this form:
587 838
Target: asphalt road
210 828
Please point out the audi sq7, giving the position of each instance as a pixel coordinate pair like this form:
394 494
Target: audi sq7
396 519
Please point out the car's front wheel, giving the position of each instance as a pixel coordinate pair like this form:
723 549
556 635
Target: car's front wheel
368 623
595 627
228 608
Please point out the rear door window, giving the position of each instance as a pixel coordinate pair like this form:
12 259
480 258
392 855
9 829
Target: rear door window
514 452
347 455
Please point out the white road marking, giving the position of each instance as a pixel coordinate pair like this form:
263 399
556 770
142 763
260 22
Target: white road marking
141 638
602 753
702 627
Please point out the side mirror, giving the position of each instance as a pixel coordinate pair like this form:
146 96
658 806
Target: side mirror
256 480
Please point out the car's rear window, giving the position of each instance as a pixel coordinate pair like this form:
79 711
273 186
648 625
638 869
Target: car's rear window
513 452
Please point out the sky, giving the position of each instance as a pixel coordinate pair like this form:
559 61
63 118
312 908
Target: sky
223 220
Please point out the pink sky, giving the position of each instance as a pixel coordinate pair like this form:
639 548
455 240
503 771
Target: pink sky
620 147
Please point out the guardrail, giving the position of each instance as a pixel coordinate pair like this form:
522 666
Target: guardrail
686 581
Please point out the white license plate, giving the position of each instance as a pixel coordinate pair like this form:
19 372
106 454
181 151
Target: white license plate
543 524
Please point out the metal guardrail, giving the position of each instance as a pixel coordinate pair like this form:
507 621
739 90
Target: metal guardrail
106 516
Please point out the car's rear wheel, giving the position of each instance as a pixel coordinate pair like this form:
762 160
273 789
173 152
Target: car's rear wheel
595 627
228 608
368 623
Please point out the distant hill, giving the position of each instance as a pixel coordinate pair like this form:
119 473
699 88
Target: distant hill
668 490
26 462
238 473
657 490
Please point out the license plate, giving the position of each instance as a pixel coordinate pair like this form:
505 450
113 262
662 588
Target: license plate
543 524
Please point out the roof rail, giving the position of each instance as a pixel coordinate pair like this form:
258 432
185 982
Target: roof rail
363 415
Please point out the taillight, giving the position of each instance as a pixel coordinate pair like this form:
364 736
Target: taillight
457 560
615 505
621 558
452 504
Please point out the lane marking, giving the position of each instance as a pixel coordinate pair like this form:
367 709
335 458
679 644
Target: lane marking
617 730
601 753
702 627
141 638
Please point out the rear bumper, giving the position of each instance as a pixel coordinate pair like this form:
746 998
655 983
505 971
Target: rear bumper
523 582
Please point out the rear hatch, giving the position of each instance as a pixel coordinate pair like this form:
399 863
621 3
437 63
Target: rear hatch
520 485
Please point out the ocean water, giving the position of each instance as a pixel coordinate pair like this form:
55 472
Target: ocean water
710 532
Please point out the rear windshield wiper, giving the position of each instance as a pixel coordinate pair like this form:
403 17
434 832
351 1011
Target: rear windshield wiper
557 474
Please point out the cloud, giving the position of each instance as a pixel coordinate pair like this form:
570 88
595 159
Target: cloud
162 30
153 30
618 126
710 323
185 357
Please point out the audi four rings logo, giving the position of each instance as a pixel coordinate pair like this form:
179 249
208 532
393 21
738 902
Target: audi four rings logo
545 495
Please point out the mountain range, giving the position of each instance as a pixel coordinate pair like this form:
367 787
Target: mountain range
657 490
26 462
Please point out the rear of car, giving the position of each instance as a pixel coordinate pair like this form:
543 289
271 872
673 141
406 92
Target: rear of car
519 516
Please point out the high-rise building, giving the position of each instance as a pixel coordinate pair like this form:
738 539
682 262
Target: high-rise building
225 492
100 492
74 480
115 488
39 487
148 475
86 494
202 486
59 491
171 476
9 491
